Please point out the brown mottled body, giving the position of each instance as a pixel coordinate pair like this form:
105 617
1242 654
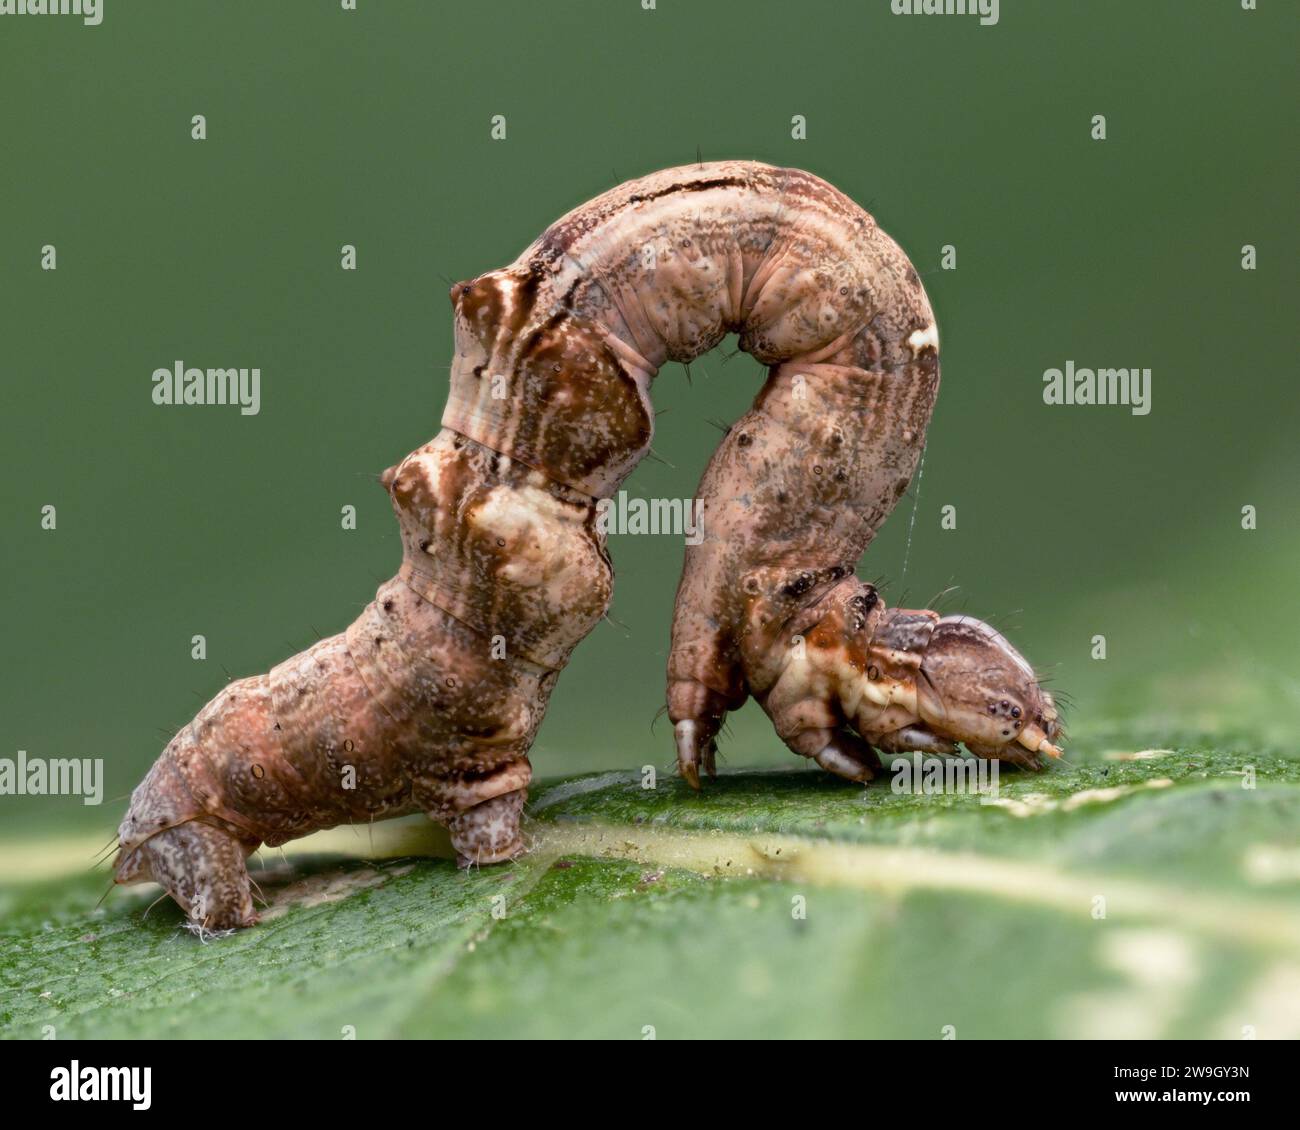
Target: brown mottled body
431 699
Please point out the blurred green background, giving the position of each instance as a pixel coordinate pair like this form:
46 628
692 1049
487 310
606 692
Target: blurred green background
328 127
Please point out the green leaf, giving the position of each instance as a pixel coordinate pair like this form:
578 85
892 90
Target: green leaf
772 904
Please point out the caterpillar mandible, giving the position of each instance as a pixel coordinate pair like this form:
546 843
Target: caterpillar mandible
430 701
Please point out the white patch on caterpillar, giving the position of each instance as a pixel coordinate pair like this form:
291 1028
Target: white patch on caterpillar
866 701
533 526
921 338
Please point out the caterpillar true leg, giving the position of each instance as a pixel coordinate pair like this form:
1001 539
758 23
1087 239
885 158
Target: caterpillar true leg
848 756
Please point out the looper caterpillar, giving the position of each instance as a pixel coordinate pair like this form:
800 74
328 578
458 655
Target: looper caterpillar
430 701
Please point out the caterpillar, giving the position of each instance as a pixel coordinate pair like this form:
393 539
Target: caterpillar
430 700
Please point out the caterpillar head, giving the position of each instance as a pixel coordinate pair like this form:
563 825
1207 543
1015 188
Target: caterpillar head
974 687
